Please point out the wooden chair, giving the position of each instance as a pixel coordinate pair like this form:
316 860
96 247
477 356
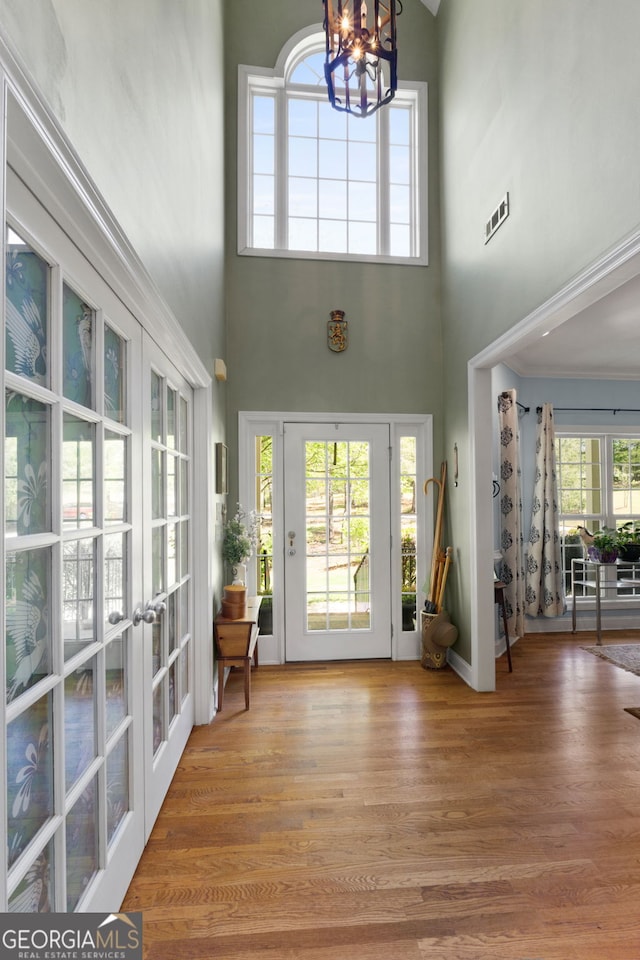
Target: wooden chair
236 646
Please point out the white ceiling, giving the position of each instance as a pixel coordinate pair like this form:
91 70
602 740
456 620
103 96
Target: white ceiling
432 5
602 342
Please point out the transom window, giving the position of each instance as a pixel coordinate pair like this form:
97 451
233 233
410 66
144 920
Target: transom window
314 182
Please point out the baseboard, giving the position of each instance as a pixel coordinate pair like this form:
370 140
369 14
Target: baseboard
460 666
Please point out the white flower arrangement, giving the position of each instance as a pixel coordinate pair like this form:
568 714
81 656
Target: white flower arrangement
240 536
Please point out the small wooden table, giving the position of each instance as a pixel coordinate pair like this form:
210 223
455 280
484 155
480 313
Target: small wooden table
237 646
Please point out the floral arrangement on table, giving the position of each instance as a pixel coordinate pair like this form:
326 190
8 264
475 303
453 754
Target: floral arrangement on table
240 536
604 546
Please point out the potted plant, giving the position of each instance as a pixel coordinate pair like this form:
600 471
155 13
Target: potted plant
240 540
629 541
605 546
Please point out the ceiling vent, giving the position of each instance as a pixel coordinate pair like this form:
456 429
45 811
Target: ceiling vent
497 218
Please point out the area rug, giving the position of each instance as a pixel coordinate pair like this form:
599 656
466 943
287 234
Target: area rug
625 655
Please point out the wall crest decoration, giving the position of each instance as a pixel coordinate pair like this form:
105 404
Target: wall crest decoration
337 332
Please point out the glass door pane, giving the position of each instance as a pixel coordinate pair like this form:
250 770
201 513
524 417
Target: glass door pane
26 310
27 446
337 535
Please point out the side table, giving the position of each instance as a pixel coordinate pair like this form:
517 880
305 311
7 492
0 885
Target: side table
237 646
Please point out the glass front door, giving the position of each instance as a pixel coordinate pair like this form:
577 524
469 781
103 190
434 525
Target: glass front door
337 541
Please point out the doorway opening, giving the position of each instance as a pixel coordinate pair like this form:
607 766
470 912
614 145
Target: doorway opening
597 284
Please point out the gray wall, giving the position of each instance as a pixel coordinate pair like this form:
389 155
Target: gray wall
540 99
137 87
278 309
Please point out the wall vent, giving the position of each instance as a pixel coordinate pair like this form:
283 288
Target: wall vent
497 218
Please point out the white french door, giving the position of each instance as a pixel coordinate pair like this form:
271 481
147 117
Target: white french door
167 614
72 573
97 574
337 564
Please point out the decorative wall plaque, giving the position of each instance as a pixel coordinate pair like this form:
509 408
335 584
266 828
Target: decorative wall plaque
337 332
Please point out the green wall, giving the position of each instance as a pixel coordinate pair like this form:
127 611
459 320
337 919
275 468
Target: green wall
137 87
539 99
277 309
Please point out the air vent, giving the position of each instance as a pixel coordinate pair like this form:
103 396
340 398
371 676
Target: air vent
497 218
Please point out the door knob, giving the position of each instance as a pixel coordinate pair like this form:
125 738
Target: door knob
158 606
115 617
148 615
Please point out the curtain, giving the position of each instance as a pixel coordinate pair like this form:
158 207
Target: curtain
545 581
511 567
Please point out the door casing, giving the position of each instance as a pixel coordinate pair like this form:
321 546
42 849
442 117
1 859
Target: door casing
404 645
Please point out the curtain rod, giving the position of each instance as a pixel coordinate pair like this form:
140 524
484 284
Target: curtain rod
613 410
505 394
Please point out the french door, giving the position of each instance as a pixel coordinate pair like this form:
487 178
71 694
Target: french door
337 541
97 473
73 569
167 615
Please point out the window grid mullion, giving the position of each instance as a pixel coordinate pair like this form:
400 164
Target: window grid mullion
607 480
383 213
281 170
317 178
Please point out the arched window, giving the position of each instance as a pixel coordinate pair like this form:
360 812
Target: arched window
317 183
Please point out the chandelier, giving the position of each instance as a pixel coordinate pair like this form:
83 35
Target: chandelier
360 66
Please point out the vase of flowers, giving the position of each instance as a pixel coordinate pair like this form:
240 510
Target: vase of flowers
240 541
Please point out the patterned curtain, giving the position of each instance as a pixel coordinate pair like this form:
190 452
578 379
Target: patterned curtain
545 581
511 568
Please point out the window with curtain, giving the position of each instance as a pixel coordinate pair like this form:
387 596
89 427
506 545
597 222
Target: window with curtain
598 486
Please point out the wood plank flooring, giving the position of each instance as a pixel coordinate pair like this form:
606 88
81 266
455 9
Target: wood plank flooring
379 811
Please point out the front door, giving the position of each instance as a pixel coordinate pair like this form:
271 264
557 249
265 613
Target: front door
337 541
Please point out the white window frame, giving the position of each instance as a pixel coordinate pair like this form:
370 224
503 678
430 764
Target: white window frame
605 434
272 82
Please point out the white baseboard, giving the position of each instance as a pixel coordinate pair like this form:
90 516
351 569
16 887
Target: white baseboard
460 666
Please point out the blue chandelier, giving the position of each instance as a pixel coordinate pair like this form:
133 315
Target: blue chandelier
361 61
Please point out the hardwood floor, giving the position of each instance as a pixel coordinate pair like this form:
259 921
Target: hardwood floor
379 811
